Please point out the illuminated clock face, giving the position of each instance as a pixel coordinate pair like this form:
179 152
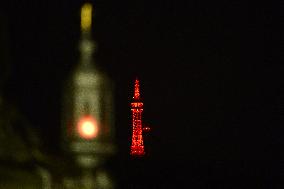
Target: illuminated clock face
87 127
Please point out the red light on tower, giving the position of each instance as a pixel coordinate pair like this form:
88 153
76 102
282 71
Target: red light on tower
146 129
88 127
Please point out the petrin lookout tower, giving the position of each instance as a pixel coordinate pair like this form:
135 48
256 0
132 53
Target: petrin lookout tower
137 146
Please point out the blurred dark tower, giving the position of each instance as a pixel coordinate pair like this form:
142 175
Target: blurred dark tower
88 125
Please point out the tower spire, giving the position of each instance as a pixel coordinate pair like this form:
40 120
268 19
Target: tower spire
87 45
86 17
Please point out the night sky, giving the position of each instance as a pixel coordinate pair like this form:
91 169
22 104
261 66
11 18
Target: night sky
211 77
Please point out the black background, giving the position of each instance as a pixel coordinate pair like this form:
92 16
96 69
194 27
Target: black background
211 80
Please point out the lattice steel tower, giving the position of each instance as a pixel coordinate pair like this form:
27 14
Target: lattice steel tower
137 146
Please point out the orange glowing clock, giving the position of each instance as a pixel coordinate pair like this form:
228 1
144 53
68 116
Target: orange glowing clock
87 127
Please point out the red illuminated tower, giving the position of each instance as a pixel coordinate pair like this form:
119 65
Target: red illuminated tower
137 146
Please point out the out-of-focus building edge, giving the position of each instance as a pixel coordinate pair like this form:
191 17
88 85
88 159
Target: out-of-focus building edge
18 142
24 162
